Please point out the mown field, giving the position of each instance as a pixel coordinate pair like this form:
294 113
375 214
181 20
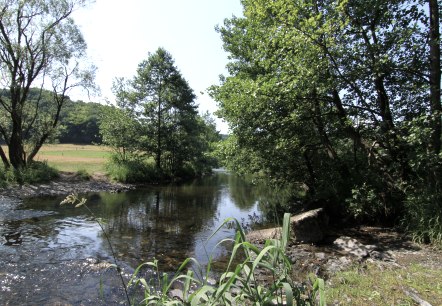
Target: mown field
72 157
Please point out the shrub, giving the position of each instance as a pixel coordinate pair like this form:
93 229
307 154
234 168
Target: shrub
423 217
83 174
131 170
35 172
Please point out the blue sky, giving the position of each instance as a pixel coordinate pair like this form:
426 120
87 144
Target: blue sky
120 33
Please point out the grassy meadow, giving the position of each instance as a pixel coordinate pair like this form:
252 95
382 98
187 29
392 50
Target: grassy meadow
73 157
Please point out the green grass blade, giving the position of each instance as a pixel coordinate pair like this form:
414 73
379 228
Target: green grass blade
202 294
288 293
285 234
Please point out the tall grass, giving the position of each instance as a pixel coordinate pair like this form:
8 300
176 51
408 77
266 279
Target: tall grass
239 284
423 217
134 170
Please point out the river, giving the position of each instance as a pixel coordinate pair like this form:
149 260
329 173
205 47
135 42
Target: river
57 255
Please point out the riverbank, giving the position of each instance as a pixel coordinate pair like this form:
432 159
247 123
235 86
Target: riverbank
368 265
67 183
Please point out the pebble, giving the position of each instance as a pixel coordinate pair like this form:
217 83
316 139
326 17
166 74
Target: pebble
62 188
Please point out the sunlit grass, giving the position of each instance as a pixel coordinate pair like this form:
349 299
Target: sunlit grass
73 158
376 285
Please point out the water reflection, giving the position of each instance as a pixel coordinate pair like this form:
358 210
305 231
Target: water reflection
169 223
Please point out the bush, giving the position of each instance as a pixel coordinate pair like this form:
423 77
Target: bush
423 217
83 174
7 177
133 170
35 172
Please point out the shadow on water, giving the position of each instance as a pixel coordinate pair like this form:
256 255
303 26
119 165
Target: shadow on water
61 255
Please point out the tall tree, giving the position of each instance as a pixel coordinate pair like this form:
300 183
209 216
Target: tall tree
328 89
167 100
163 102
40 45
121 131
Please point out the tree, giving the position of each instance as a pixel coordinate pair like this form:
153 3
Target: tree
157 106
40 45
120 131
326 93
80 121
163 102
435 90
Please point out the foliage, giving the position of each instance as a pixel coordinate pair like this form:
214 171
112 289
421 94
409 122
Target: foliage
120 131
423 218
83 174
40 45
36 172
238 285
131 170
332 95
156 117
80 121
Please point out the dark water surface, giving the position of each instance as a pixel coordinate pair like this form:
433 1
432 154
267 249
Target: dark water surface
60 255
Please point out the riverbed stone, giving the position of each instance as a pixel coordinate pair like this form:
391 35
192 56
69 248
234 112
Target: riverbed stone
351 246
310 226
64 185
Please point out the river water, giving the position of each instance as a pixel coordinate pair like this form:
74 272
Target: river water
57 255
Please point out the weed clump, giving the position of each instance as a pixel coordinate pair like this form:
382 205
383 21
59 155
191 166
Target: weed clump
35 172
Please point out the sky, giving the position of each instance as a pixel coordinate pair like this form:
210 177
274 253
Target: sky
121 33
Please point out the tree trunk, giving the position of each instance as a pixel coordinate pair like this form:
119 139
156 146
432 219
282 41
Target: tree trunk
158 153
4 158
435 78
16 150
45 136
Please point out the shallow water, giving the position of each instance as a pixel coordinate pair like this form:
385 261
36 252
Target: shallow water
61 254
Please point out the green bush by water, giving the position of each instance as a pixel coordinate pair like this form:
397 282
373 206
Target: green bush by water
138 169
131 170
35 172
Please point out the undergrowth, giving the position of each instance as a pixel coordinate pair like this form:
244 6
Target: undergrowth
83 174
131 171
35 172
239 284
374 284
423 217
